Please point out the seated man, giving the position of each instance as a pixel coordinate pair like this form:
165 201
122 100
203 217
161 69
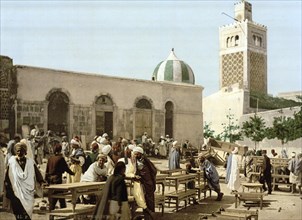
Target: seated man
97 172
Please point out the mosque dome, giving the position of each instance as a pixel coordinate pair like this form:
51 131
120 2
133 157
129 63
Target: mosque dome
173 69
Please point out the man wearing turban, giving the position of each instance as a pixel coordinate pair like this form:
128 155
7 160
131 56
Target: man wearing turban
232 176
174 157
20 178
147 172
211 175
77 159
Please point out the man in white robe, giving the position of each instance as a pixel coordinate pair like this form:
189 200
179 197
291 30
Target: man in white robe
21 175
174 157
232 178
97 171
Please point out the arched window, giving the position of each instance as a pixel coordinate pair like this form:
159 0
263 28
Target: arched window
144 104
232 41
254 39
260 41
58 109
236 40
169 107
228 42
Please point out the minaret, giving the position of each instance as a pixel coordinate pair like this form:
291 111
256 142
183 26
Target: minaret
243 51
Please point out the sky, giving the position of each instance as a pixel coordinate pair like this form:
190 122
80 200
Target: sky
129 38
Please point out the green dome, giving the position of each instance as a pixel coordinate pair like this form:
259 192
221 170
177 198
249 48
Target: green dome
175 70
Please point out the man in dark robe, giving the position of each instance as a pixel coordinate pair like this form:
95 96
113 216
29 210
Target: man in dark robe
266 172
146 170
56 166
211 175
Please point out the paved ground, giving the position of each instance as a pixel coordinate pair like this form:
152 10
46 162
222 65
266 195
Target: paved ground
281 205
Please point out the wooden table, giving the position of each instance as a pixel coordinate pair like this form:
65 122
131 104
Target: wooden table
171 172
181 179
73 191
253 196
160 196
255 186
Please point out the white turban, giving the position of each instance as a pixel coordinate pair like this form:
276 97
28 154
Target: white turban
106 149
235 151
131 146
138 149
293 154
174 143
93 142
75 142
105 135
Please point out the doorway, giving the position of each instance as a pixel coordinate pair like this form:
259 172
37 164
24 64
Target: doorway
58 111
169 119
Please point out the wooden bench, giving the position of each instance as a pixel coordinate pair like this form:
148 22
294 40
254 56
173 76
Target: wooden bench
160 201
81 212
254 186
202 188
280 176
277 164
254 197
180 196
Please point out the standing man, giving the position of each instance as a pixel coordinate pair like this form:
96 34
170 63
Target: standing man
174 157
56 166
110 164
20 178
211 175
65 147
232 177
291 167
267 175
77 159
10 147
147 172
298 172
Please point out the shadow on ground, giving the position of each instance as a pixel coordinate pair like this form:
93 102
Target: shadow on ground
196 212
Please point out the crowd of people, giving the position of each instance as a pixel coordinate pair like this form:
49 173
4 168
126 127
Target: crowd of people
114 162
107 160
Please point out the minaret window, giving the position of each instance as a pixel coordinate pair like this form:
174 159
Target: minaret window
260 41
228 42
232 41
236 40
257 41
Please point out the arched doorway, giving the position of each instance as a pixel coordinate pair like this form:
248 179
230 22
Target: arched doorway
169 119
58 111
104 115
143 118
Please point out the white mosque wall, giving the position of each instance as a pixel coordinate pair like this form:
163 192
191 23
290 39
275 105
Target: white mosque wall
227 101
35 84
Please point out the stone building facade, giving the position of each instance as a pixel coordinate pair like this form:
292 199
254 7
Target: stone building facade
89 104
8 93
